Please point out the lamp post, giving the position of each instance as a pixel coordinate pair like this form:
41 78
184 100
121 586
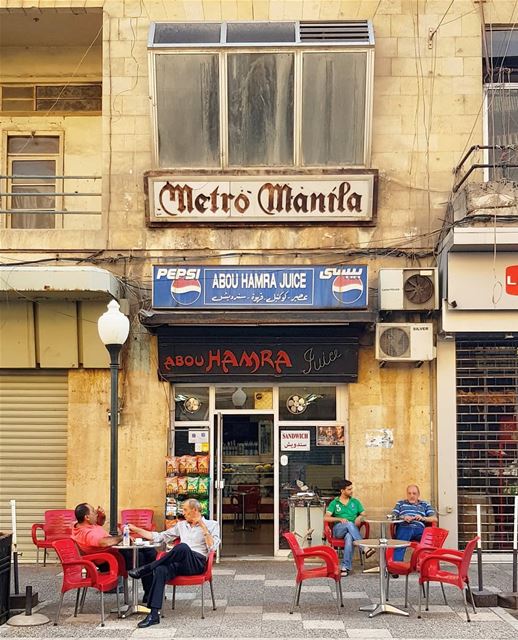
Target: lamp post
113 328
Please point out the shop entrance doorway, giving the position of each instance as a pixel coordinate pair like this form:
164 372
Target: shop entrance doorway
244 487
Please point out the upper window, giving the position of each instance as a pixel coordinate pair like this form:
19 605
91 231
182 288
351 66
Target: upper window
32 183
53 97
500 65
274 94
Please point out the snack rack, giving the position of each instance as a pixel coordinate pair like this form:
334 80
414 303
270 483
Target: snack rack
186 477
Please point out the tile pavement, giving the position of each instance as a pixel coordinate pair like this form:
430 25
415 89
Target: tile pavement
253 600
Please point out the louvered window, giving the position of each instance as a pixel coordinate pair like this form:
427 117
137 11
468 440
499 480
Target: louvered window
263 94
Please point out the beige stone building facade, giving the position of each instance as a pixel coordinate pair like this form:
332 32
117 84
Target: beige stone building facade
93 96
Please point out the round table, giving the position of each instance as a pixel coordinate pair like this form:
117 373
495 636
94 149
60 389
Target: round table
383 533
382 544
134 606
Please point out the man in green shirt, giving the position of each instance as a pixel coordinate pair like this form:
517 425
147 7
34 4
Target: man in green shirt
345 514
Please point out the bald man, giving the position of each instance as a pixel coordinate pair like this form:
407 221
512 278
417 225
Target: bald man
416 514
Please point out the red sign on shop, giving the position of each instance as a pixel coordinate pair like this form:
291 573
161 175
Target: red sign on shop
511 280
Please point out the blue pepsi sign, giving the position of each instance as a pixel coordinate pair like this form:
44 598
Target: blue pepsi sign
315 287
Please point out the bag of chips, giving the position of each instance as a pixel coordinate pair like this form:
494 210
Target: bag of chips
191 464
192 484
179 505
171 508
169 490
174 483
204 503
203 485
182 484
169 468
203 464
182 464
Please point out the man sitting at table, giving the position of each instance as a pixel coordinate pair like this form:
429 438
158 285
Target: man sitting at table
415 514
197 537
90 537
346 514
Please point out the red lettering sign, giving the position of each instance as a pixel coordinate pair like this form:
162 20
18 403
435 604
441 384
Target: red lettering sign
511 280
229 361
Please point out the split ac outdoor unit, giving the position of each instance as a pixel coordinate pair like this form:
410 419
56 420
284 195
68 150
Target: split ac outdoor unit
408 289
404 342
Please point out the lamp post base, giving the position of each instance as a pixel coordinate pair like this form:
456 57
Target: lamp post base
508 600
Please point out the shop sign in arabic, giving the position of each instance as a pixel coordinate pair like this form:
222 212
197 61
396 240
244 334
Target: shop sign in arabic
315 287
295 440
347 198
312 360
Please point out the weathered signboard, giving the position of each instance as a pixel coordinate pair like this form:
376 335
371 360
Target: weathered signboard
350 197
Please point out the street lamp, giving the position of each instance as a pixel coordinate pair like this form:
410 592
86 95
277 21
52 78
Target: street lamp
113 328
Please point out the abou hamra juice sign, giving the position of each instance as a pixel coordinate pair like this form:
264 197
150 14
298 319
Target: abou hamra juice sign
315 287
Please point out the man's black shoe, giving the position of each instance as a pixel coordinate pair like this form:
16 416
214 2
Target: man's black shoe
151 619
138 572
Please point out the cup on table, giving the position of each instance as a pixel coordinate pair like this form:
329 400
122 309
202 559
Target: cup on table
138 541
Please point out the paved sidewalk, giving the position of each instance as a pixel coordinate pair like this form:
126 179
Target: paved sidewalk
253 600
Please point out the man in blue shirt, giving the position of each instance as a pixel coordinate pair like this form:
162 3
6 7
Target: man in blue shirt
415 514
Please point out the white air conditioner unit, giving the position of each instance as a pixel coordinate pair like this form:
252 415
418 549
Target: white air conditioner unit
404 342
408 289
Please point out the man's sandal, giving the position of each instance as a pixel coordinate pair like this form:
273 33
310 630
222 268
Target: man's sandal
344 573
370 552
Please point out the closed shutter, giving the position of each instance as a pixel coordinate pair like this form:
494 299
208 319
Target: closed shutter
33 450
487 440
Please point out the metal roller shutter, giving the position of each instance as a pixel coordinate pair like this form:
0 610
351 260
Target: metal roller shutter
33 450
487 439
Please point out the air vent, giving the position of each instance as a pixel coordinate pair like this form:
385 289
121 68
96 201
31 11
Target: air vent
352 31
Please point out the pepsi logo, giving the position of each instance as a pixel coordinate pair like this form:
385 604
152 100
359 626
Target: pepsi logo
347 289
184 291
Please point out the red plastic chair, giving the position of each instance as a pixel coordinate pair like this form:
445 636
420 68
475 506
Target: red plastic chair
121 566
433 538
252 501
58 525
338 543
331 568
200 579
430 571
80 573
142 518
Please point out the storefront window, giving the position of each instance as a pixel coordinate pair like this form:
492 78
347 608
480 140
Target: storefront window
191 403
307 403
308 464
244 398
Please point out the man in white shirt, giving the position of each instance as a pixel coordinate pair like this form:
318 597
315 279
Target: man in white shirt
197 537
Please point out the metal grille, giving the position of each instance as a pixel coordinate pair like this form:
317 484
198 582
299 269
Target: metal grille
487 439
356 31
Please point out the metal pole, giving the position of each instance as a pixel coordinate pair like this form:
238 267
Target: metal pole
515 546
15 573
479 549
114 351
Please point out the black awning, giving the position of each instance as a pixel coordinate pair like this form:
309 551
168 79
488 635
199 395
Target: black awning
153 319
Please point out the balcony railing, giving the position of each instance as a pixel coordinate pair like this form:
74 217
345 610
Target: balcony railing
487 163
51 201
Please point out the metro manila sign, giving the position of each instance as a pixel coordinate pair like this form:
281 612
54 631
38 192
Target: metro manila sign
342 198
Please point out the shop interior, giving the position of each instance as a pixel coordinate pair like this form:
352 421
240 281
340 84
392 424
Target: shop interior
248 492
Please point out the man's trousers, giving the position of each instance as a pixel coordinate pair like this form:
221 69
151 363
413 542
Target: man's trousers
180 561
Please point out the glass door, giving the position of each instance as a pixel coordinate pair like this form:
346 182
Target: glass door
244 482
